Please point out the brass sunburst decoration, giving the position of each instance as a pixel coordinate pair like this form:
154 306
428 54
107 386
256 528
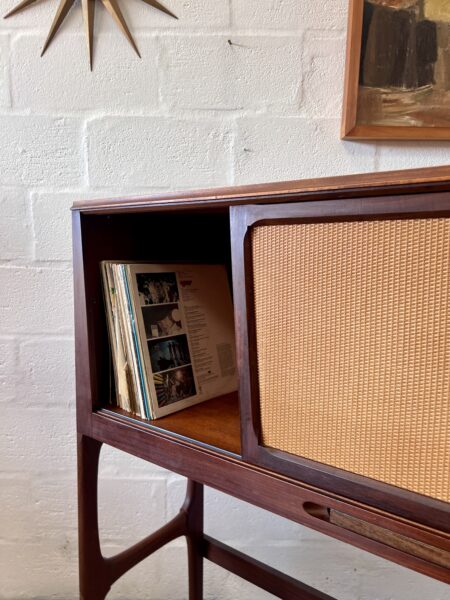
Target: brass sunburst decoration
88 7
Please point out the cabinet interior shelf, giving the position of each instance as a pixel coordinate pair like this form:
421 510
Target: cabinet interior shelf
214 423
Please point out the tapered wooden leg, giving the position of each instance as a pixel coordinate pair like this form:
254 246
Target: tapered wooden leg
97 574
194 510
93 580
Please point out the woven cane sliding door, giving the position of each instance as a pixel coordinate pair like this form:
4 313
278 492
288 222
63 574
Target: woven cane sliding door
351 340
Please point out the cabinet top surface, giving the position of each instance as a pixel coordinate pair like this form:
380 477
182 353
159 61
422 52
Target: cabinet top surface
380 183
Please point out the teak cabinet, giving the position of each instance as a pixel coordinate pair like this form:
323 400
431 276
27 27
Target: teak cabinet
341 292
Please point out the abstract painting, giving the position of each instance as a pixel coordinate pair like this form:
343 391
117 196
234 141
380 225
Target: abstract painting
398 70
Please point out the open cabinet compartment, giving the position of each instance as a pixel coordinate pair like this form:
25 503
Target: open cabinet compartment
154 237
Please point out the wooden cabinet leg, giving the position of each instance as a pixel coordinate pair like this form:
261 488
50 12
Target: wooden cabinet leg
93 578
194 536
97 574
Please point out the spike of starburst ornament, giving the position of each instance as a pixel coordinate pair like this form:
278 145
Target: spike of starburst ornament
88 7
21 6
61 13
160 7
114 10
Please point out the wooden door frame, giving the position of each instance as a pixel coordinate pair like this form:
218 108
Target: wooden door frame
389 498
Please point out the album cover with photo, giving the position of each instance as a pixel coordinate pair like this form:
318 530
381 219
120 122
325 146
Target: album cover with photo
179 333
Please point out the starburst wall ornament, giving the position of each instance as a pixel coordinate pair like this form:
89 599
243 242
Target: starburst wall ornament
88 7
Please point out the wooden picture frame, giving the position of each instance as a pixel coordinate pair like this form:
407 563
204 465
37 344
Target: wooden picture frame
355 127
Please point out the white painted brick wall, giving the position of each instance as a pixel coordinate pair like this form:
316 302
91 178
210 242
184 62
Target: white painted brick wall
157 151
40 151
194 111
209 73
62 83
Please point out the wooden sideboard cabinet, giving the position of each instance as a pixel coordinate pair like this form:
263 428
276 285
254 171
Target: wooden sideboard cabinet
341 423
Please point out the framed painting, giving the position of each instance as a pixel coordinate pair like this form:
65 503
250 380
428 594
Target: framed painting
397 83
